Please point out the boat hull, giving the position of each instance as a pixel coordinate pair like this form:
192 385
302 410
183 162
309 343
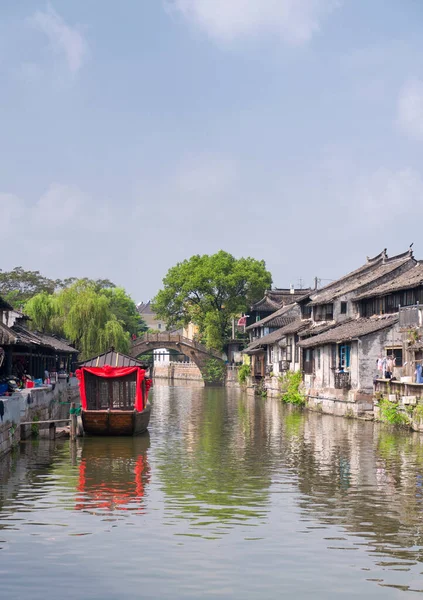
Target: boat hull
115 422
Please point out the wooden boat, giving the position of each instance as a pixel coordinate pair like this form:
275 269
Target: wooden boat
114 395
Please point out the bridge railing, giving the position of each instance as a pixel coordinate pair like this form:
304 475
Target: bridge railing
175 338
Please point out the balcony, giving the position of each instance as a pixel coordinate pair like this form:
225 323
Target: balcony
342 381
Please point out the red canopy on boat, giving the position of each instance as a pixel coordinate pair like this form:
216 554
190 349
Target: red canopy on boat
108 372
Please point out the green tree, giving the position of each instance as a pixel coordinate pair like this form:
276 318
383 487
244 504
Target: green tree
42 308
94 317
125 310
209 291
17 286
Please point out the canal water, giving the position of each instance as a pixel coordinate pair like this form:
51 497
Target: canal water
227 497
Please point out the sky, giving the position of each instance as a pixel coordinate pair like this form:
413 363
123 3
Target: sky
136 134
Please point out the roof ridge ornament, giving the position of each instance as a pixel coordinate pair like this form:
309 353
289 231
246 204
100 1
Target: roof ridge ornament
382 255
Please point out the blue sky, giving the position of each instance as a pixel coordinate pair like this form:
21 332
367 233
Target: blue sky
138 134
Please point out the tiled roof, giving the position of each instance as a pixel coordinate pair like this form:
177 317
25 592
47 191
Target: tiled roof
371 272
274 299
145 308
32 338
266 305
7 336
57 343
25 337
296 326
292 327
410 279
350 330
280 317
112 358
316 328
266 340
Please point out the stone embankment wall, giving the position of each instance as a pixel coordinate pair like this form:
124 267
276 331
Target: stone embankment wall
179 371
41 404
9 426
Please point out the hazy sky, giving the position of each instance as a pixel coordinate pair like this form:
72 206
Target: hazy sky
137 133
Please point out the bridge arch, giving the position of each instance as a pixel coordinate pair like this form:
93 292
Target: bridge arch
197 352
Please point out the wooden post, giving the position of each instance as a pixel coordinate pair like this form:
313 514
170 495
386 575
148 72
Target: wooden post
73 422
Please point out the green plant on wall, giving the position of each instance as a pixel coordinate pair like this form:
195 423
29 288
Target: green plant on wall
418 413
413 336
243 373
290 385
390 413
214 371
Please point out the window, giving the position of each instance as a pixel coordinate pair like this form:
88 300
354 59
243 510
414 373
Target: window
343 308
159 325
344 356
308 361
318 357
306 311
397 353
323 312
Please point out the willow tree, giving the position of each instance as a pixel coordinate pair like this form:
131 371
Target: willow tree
86 316
42 309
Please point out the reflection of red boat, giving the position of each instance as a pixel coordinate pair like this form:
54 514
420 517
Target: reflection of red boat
114 395
113 473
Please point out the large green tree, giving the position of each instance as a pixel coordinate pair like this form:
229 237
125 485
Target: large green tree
209 291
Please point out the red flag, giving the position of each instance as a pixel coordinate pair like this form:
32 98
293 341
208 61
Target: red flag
242 321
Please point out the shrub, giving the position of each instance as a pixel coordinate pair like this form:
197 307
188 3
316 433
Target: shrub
418 413
290 384
214 371
243 372
390 413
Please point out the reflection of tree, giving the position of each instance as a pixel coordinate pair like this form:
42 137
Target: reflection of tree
218 468
113 473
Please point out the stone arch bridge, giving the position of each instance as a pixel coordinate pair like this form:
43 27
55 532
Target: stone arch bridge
197 352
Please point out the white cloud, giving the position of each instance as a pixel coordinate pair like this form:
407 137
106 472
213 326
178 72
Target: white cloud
410 108
61 214
294 21
59 206
63 38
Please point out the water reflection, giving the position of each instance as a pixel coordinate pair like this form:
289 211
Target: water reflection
113 473
269 484
215 467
